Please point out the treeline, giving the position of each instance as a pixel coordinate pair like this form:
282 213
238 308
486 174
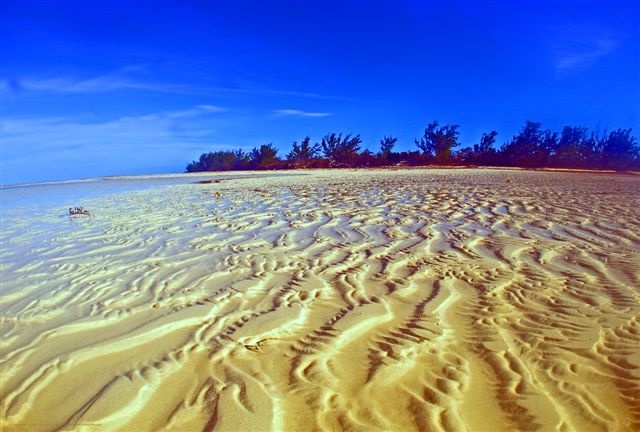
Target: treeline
531 147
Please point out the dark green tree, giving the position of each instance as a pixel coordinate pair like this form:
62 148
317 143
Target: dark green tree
531 147
386 146
620 150
366 158
482 153
264 157
486 143
438 142
303 152
224 160
242 160
341 151
575 149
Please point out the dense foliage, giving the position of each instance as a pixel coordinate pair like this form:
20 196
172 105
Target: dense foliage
531 147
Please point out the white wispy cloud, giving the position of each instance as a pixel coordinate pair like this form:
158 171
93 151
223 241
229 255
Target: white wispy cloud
586 55
299 113
581 46
123 80
151 142
194 112
306 95
98 84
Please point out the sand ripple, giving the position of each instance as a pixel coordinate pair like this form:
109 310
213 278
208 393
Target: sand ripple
382 300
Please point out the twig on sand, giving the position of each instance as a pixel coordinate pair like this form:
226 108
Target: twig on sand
78 211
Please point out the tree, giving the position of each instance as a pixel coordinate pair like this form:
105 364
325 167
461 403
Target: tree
531 147
437 142
366 159
214 161
574 148
482 153
486 142
264 157
341 151
305 152
330 144
242 160
485 153
465 155
386 146
620 150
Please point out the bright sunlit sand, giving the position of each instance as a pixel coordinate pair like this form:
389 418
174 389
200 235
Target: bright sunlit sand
434 300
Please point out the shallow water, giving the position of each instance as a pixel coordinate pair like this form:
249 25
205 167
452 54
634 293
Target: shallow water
70 193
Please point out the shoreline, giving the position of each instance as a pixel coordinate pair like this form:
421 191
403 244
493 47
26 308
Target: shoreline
252 173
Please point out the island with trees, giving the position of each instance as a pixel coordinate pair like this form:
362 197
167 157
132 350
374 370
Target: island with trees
532 147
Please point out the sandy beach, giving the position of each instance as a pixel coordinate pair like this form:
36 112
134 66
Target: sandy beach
386 300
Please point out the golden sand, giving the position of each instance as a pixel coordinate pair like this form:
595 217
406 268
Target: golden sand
436 300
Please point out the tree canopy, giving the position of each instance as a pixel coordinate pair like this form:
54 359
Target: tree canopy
438 142
531 147
339 150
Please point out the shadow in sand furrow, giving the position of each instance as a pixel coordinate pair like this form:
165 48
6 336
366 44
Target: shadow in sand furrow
315 349
619 347
494 346
506 395
584 409
412 330
89 395
350 300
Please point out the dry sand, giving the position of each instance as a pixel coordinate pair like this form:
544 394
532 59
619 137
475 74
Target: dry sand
437 300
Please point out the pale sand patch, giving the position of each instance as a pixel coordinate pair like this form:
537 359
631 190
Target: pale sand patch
336 300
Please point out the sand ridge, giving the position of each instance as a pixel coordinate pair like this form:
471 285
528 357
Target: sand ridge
338 300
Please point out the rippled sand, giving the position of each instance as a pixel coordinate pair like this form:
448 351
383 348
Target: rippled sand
353 300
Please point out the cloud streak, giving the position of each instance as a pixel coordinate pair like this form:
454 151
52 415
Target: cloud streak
146 143
587 55
123 82
581 46
99 84
299 113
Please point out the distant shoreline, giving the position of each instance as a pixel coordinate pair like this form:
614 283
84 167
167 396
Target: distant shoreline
244 173
135 177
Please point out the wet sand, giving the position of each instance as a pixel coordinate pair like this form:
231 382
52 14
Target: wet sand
402 300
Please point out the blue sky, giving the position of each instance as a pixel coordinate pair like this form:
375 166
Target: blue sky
93 88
